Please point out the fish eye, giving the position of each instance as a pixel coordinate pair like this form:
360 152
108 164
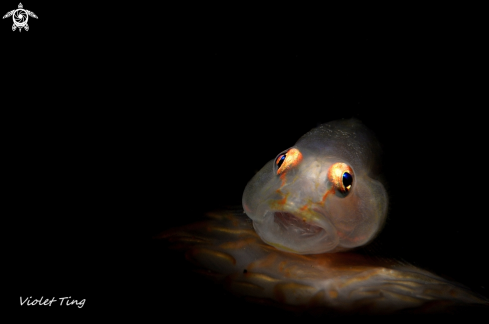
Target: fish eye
286 160
280 160
340 175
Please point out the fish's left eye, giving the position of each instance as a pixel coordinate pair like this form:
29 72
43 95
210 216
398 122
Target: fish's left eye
286 160
340 175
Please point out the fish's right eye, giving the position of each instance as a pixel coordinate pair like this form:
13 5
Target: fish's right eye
286 160
280 160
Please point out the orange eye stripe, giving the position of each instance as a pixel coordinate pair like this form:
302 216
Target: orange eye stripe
330 191
293 158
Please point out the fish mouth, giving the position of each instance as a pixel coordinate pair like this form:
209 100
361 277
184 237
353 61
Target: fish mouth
290 222
296 232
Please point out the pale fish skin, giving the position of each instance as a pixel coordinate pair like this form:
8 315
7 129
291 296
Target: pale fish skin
282 248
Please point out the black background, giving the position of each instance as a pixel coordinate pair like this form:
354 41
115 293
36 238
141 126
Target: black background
121 121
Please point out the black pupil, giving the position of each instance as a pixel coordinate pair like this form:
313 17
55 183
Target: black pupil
347 179
281 160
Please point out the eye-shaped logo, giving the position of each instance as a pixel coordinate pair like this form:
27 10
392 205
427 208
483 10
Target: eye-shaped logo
20 17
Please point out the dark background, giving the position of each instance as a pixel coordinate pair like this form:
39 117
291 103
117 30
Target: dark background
115 129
